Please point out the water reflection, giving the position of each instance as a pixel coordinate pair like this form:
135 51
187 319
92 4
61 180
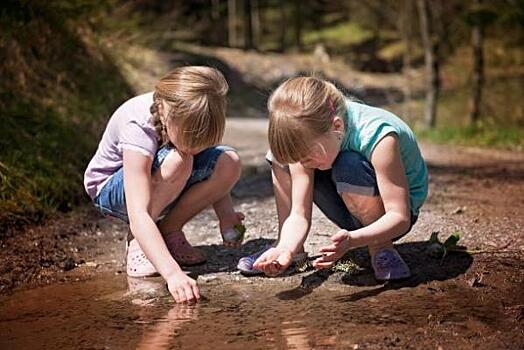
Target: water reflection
296 335
158 331
159 335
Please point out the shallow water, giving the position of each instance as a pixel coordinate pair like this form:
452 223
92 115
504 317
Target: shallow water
114 313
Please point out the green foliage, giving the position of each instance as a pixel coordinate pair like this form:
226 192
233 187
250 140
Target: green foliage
57 89
440 250
339 35
240 229
492 136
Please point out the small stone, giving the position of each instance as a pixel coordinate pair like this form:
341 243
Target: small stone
68 264
459 210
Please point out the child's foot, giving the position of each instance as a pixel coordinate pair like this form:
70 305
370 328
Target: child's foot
183 252
389 265
138 265
232 230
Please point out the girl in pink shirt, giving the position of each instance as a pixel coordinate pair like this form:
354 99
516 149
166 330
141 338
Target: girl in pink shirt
158 165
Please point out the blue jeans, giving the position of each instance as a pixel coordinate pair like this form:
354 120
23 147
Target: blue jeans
351 173
112 200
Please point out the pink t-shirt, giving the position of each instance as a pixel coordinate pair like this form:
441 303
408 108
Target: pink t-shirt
130 127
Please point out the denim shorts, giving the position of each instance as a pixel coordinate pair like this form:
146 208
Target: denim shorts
112 200
351 173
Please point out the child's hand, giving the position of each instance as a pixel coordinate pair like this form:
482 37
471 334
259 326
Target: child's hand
274 261
183 288
333 252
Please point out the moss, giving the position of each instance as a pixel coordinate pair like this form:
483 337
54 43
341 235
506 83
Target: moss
58 89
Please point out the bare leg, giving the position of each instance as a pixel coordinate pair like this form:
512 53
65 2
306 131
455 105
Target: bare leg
199 196
169 181
367 209
226 214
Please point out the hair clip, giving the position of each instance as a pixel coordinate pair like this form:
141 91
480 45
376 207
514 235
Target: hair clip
331 106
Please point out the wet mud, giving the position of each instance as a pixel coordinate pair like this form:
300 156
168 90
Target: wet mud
482 309
63 284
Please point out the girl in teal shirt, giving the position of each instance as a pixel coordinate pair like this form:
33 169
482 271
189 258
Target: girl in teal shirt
359 164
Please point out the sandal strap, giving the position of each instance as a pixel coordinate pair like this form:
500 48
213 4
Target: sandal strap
183 252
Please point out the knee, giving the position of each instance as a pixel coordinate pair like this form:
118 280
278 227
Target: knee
174 168
351 169
280 174
228 166
349 160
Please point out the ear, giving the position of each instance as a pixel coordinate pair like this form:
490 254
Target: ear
337 124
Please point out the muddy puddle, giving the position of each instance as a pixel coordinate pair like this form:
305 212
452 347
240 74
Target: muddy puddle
114 312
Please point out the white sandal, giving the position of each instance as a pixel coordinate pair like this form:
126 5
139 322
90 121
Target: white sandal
138 265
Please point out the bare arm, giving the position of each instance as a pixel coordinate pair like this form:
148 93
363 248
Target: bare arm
296 227
137 187
393 187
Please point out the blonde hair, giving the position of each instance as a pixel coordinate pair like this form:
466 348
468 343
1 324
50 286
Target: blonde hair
195 100
300 110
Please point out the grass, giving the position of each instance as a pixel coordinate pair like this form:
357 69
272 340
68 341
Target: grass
340 35
58 89
501 124
486 136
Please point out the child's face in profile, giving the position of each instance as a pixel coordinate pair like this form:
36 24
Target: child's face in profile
322 153
325 148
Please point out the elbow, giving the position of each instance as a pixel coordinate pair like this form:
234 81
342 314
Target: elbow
405 222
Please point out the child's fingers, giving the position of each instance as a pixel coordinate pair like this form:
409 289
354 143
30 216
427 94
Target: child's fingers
179 296
261 262
190 297
274 268
240 215
196 292
176 296
323 265
330 257
329 249
262 265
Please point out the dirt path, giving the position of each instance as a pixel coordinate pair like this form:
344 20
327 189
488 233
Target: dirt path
465 302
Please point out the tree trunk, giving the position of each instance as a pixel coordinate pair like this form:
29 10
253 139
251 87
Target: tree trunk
216 23
477 41
232 23
432 65
283 26
407 32
298 25
215 10
248 26
255 20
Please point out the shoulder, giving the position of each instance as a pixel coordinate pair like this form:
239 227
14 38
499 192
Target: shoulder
137 102
385 151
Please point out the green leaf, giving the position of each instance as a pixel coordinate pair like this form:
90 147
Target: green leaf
452 240
434 237
241 229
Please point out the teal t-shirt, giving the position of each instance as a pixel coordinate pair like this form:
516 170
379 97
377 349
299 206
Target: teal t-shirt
368 125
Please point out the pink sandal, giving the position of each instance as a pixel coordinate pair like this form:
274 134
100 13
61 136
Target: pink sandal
183 252
138 265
